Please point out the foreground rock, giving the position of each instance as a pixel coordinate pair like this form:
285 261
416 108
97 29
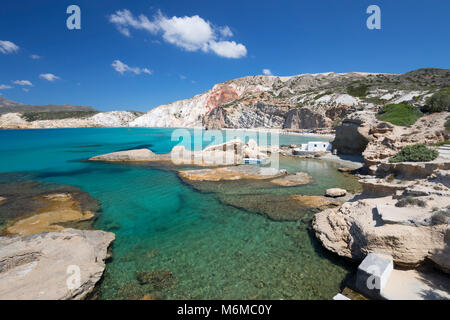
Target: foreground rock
231 173
358 228
39 267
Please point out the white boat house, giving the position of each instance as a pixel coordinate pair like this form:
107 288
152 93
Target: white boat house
315 146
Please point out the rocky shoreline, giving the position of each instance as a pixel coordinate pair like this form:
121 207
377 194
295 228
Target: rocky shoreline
402 211
404 208
39 244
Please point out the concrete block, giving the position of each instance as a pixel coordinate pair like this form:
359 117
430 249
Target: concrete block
340 296
373 274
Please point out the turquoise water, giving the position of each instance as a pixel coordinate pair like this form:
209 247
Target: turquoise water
215 251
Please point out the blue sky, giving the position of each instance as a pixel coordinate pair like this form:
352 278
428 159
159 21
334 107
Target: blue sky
181 48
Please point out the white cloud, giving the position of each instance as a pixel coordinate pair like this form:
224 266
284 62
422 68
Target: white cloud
183 77
267 72
25 89
49 77
124 19
4 86
190 33
121 67
228 49
34 56
226 31
23 83
8 47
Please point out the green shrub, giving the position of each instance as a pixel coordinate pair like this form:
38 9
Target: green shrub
438 102
410 201
399 114
415 153
57 115
358 91
442 143
441 217
447 125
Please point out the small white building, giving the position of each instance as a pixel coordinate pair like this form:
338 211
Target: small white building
315 146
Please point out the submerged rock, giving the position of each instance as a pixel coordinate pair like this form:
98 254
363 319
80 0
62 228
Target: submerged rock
156 279
26 198
60 208
293 180
279 207
45 266
2 199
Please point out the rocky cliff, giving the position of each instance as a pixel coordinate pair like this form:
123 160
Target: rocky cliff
305 101
102 119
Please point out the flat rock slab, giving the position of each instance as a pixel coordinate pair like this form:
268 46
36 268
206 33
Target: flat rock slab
136 155
298 179
405 215
415 285
231 173
39 267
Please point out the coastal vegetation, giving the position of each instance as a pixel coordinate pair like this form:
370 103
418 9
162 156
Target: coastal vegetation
438 102
441 216
399 114
415 153
57 115
410 201
358 91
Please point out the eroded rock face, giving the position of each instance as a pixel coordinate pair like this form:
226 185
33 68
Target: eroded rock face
356 229
352 136
303 118
39 267
412 170
377 141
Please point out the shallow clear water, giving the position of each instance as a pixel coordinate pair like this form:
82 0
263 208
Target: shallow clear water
214 250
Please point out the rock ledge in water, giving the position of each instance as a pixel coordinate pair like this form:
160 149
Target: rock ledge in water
39 267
